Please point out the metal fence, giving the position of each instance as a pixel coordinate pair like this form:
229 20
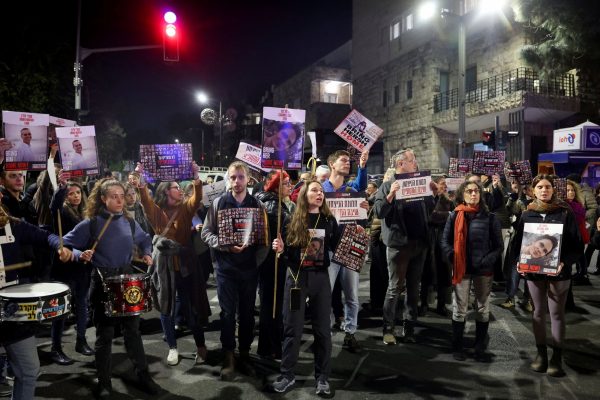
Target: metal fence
506 83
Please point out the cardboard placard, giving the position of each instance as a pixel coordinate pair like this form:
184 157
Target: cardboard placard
352 248
167 162
519 171
358 131
414 185
460 167
78 150
251 155
242 226
540 248
283 138
488 162
345 206
212 191
27 134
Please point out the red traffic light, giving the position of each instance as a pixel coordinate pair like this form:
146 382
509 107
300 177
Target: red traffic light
170 30
170 17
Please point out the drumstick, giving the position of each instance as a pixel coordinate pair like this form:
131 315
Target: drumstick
60 238
12 267
100 234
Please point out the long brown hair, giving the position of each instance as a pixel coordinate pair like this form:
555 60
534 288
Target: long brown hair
95 204
160 196
297 229
80 209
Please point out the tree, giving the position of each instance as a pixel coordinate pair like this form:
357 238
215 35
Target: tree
110 141
564 35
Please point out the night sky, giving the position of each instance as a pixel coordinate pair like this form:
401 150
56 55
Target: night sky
232 50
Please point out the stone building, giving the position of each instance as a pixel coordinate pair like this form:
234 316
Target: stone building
324 90
405 79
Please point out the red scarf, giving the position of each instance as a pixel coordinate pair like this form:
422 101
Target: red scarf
460 241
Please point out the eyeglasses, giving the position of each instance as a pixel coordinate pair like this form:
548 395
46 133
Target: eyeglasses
471 191
175 187
286 183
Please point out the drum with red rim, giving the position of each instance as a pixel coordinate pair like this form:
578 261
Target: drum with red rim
127 295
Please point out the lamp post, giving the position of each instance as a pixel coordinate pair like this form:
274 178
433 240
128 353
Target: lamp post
202 98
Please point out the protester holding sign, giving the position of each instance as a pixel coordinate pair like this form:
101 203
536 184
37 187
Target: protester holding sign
270 331
472 243
236 267
339 164
171 218
307 278
549 292
405 233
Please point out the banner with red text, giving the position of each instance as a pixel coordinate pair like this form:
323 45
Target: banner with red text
26 140
167 162
414 185
358 131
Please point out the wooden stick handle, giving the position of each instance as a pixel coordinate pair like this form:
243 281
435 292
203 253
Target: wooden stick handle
12 267
102 232
60 233
278 231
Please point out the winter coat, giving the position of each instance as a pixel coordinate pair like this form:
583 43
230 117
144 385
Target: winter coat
484 242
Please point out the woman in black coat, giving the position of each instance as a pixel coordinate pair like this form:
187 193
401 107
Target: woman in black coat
549 291
472 242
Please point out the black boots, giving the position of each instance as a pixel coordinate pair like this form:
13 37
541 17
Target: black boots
59 357
481 341
81 346
146 383
555 368
540 364
458 330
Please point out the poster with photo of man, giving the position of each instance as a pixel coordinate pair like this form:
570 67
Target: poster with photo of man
25 141
283 138
78 150
52 140
166 162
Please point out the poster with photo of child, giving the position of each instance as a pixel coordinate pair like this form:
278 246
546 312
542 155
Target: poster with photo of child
283 138
351 251
242 227
25 142
78 150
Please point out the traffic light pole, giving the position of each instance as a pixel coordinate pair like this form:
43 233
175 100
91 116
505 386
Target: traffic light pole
83 53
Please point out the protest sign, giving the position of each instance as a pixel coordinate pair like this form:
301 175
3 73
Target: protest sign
78 150
242 226
212 191
250 155
460 167
27 137
488 162
453 183
519 171
414 185
352 248
540 248
283 138
167 162
358 131
52 139
345 206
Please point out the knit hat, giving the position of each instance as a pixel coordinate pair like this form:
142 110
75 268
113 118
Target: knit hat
272 183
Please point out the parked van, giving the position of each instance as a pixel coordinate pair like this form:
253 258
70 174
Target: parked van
215 173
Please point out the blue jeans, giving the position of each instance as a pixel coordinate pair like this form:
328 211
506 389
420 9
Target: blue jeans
405 266
24 361
79 283
349 281
237 292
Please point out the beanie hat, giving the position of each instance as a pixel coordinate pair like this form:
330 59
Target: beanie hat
272 183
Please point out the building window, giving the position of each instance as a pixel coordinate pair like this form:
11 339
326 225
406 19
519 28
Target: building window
471 78
409 22
409 89
331 98
394 30
396 94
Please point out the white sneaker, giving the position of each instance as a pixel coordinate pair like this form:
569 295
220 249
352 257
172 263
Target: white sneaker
173 357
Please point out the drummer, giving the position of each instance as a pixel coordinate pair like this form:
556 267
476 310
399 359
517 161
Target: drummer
114 235
19 339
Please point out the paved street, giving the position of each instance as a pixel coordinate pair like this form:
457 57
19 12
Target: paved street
424 370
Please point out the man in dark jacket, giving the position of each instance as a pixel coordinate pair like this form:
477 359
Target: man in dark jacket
406 247
236 268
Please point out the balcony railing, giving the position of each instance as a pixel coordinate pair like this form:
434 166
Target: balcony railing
508 82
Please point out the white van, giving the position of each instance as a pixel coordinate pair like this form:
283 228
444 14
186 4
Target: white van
215 173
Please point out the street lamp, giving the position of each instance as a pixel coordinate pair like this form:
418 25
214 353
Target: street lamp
207 116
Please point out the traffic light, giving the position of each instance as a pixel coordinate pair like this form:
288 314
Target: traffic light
170 37
489 139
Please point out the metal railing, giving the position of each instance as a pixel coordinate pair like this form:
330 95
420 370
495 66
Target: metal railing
506 83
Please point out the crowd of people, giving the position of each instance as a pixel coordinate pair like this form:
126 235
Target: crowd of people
452 246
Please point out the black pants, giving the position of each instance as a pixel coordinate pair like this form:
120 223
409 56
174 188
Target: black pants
314 285
270 330
378 274
105 330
